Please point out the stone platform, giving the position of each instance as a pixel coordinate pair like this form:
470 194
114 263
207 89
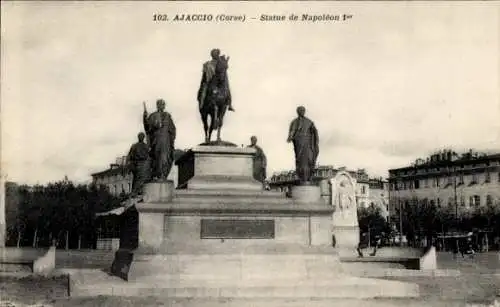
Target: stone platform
178 286
220 235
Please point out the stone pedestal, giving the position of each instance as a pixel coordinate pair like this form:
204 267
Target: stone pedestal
346 239
306 194
221 235
158 191
218 167
345 218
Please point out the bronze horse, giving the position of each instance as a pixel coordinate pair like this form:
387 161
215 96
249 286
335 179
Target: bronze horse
216 100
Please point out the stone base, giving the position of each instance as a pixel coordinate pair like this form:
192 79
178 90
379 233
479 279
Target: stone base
346 239
211 166
158 191
243 276
306 193
242 270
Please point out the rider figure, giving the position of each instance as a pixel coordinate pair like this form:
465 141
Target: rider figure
208 73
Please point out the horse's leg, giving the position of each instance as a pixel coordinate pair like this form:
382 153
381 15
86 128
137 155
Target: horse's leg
222 112
215 118
211 128
204 118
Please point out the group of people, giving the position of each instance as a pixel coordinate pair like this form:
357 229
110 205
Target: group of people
152 157
153 160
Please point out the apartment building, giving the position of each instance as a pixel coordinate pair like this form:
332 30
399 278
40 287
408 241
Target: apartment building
461 183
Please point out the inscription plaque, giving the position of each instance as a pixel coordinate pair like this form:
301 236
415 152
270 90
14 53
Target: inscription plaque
237 229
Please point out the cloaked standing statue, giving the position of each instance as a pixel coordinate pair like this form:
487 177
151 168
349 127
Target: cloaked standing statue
304 136
139 164
259 161
161 132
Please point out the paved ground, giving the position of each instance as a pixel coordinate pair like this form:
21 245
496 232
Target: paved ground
478 284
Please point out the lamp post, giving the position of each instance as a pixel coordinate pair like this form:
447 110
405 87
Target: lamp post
3 224
400 222
454 170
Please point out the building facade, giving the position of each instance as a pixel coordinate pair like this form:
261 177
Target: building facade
459 183
368 191
118 178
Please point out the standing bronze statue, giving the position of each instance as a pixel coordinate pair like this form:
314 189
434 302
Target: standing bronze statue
214 95
139 164
259 161
304 136
161 132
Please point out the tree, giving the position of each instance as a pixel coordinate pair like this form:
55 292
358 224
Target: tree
61 209
371 221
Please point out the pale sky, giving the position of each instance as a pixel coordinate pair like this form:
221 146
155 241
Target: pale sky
393 83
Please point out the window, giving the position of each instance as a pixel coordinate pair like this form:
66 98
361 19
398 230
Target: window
451 201
489 200
461 179
417 184
437 182
487 177
450 180
363 189
462 201
439 202
474 179
498 176
426 183
475 201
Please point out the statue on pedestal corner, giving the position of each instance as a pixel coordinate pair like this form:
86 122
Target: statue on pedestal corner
304 136
139 163
161 132
259 161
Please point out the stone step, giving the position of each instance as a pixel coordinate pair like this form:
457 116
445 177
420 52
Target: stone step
95 282
187 193
237 205
277 302
351 291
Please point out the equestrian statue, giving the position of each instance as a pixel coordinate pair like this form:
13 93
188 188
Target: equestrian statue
214 95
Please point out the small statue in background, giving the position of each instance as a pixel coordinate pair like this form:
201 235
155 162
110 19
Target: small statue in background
139 163
259 161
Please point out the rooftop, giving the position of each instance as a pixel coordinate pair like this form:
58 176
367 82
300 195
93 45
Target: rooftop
450 157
